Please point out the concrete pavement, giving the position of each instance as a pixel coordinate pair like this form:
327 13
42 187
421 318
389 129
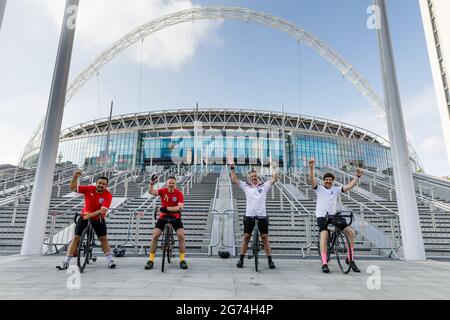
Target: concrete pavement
215 278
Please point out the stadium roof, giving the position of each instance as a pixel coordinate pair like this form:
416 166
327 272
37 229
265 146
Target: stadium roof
216 118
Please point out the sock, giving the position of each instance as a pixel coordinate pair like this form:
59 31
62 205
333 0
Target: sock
108 257
352 252
270 258
182 256
152 257
242 257
67 259
324 258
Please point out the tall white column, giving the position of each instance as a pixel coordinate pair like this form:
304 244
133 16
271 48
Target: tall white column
2 11
412 239
40 198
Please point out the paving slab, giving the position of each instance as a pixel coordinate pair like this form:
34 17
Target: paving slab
219 279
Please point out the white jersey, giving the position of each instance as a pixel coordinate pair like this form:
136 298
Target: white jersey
326 200
255 198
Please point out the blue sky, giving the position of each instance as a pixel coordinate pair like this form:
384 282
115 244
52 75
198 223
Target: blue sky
220 64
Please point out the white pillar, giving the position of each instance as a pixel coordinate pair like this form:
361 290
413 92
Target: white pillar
2 11
412 239
40 199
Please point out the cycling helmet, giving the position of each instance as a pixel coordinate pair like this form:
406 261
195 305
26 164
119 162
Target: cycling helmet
224 254
119 251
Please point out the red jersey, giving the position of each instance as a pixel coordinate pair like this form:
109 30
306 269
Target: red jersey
170 200
94 201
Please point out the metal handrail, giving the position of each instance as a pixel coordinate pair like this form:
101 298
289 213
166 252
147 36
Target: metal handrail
292 196
49 241
349 198
220 237
215 193
419 196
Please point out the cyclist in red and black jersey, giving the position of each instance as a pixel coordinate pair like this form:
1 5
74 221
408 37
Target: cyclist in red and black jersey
97 200
172 201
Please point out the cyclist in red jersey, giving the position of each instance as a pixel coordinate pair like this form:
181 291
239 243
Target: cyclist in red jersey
172 201
97 200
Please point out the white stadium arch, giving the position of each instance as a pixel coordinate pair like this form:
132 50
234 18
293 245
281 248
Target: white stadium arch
232 13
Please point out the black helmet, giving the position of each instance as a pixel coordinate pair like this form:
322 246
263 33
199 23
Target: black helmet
119 251
224 254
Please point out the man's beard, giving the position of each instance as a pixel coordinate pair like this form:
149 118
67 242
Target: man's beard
99 189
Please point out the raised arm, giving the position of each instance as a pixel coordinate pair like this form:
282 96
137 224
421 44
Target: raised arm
274 178
74 182
234 177
312 179
152 189
353 183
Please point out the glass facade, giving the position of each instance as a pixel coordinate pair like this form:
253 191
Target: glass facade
132 148
338 152
91 151
209 146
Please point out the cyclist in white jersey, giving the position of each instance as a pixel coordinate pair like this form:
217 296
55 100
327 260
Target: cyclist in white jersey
326 204
255 194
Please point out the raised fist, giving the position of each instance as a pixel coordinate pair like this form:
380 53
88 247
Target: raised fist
359 173
154 178
77 173
311 163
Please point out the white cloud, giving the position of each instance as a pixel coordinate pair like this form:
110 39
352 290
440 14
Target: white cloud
21 113
101 22
29 39
432 145
425 131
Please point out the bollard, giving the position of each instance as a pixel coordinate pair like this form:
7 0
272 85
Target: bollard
126 187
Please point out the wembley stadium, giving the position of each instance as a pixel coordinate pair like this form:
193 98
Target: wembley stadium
200 136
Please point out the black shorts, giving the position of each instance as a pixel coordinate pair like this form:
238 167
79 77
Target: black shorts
176 224
339 222
99 227
263 225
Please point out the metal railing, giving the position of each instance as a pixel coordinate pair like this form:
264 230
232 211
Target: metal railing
382 230
60 240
